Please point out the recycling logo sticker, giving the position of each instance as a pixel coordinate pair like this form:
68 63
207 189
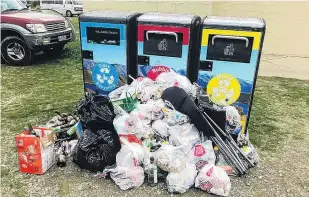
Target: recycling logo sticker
223 89
105 76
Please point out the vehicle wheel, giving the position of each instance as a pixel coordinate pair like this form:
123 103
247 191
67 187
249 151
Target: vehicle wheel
15 51
69 13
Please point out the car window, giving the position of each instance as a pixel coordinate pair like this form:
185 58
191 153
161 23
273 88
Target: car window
58 2
77 2
7 5
68 1
50 2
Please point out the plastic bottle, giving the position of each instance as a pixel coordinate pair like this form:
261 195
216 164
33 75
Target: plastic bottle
216 150
152 173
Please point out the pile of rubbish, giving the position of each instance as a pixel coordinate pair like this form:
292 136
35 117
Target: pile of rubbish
156 130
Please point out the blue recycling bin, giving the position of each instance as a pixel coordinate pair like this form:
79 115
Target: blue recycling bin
109 49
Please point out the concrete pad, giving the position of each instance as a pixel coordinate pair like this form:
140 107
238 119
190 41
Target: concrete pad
284 66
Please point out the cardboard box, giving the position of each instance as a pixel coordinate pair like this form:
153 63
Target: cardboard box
36 152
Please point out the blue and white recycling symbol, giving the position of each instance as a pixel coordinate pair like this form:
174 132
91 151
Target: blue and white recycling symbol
105 76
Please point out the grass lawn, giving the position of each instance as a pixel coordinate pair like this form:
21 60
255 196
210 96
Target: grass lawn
278 127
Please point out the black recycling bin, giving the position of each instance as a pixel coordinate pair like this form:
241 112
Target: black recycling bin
168 41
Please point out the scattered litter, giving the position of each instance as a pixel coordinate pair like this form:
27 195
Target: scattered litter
213 180
152 173
202 154
35 148
130 155
184 136
170 158
125 178
155 130
180 182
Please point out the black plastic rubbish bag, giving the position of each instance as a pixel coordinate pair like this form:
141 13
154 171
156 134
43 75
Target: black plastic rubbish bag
96 111
97 149
98 146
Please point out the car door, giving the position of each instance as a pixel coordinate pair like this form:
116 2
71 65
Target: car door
69 5
59 6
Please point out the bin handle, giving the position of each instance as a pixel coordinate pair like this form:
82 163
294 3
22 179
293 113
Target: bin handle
162 32
230 37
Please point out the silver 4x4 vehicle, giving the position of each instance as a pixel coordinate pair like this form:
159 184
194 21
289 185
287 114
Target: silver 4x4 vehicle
25 32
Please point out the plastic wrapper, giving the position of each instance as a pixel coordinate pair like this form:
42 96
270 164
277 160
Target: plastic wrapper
143 112
158 102
248 149
180 182
174 79
129 91
151 110
119 111
233 121
116 94
135 125
96 112
153 91
125 178
160 128
168 78
202 154
174 117
170 158
185 136
251 153
130 155
96 149
213 180
119 123
141 82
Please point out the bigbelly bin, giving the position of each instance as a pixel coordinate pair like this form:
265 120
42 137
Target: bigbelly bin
168 41
229 61
109 49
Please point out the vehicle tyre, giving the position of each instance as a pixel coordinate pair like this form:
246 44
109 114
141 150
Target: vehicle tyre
69 13
15 51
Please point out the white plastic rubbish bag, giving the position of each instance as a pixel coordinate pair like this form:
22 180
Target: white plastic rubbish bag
126 178
170 158
150 111
115 94
213 180
135 125
120 122
130 155
174 79
202 154
180 182
185 135
160 128
233 120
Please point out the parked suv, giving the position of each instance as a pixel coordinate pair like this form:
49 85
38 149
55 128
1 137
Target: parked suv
25 32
